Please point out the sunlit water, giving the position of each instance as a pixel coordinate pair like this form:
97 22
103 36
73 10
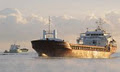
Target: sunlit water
30 62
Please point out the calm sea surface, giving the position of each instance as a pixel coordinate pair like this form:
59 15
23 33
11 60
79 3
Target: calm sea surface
30 62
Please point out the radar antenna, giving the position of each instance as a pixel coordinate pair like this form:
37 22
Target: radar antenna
99 23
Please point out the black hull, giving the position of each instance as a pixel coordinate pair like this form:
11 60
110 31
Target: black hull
51 48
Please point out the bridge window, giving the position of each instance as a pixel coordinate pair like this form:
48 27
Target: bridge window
95 34
88 34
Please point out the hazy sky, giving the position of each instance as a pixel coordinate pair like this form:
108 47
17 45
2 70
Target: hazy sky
24 20
60 7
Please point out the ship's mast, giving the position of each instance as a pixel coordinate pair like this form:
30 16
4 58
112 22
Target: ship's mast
49 34
49 25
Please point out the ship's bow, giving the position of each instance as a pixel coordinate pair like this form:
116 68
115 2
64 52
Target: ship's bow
51 48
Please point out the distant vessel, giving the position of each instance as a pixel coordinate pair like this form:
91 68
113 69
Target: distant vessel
16 49
91 44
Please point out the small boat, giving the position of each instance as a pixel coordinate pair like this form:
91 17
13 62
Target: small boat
16 49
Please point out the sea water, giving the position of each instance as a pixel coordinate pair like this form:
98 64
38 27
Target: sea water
30 62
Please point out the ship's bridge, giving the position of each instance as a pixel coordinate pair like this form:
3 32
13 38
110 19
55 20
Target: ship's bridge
97 32
94 33
98 37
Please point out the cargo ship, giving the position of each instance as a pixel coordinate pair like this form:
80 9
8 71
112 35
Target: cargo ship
91 44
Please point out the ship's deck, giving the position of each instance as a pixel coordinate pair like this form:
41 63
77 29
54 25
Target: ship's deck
88 47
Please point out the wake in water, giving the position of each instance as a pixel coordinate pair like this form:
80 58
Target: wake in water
115 55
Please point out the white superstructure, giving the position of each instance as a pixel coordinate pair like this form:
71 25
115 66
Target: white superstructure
14 47
98 37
